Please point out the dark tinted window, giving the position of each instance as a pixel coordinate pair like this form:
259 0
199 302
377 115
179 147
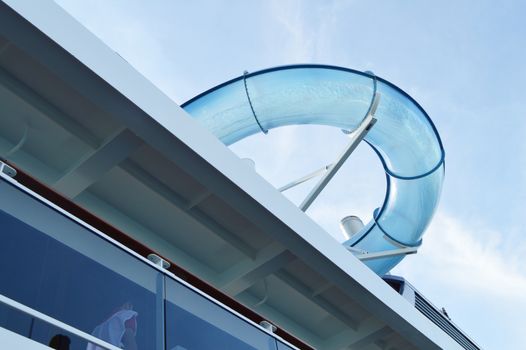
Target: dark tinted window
52 264
194 322
282 346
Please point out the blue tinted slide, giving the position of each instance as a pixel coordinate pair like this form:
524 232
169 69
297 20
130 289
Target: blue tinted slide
404 138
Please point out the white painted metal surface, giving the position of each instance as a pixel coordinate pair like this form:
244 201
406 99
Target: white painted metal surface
350 225
11 340
383 254
305 178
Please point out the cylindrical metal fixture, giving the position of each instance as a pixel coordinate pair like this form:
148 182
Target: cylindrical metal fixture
268 326
157 260
351 225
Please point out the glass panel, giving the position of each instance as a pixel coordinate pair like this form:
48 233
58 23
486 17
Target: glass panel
195 323
282 346
52 264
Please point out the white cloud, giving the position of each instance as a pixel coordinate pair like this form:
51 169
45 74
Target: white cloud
130 35
476 274
470 258
297 41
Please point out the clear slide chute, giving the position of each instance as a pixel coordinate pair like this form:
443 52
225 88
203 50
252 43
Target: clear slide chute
403 137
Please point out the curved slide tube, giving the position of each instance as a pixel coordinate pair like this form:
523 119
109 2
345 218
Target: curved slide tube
404 138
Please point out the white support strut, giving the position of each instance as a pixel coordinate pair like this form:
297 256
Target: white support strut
386 253
356 137
305 178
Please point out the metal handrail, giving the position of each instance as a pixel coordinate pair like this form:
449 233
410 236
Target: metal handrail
54 322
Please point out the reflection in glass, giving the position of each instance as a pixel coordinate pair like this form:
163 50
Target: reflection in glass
55 266
194 322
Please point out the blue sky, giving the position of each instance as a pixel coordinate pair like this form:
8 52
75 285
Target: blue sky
463 61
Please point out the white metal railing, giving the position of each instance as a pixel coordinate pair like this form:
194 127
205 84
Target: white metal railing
54 322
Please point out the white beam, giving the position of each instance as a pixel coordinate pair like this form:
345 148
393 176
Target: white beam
245 274
94 165
370 339
278 318
43 106
354 337
198 199
241 269
308 293
386 253
199 216
395 341
144 234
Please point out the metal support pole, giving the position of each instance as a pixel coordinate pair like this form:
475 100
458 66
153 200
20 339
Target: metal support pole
356 137
386 253
305 178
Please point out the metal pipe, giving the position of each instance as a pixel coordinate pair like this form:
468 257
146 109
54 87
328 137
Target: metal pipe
387 253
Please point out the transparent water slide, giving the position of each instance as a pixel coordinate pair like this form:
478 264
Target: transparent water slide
404 138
